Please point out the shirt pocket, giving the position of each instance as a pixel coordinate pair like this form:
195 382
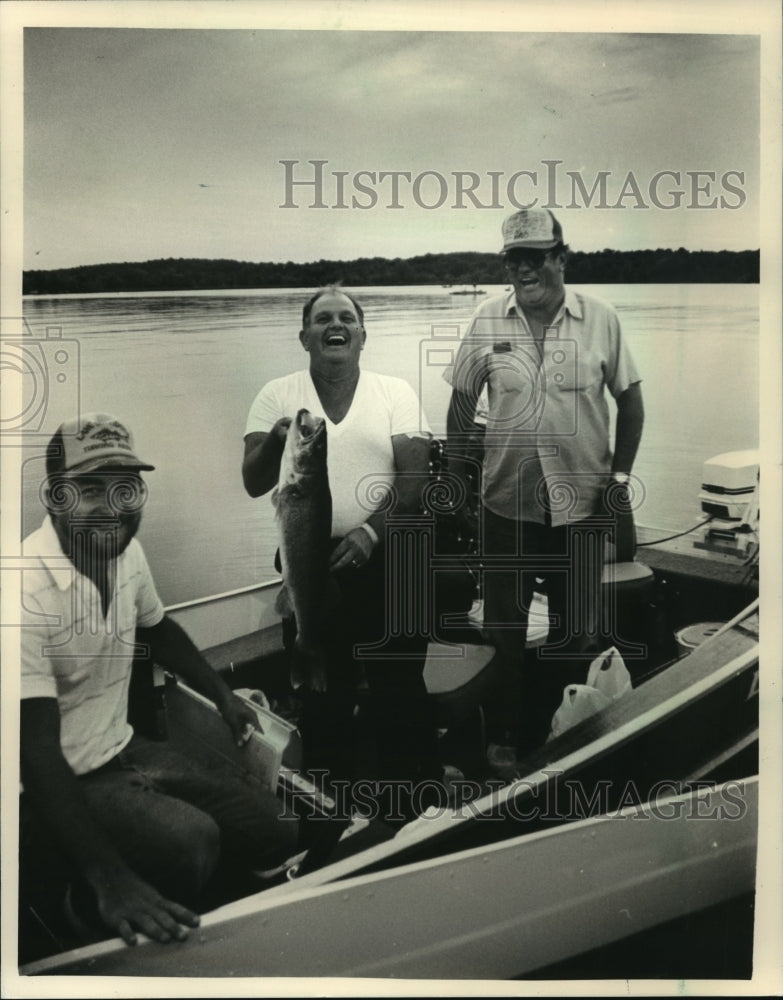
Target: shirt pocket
569 370
517 370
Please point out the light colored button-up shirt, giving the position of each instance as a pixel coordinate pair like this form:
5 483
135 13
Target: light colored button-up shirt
72 652
547 444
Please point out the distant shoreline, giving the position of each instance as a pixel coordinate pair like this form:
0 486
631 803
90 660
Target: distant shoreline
447 269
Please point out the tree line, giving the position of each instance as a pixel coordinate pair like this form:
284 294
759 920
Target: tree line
466 268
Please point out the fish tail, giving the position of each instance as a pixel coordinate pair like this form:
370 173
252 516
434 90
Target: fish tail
308 667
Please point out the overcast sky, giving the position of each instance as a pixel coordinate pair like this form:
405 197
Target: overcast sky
167 143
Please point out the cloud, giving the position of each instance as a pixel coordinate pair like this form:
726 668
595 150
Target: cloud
123 114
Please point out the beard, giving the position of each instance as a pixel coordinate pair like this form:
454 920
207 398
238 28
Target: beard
93 542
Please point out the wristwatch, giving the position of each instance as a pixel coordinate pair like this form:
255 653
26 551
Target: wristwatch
621 477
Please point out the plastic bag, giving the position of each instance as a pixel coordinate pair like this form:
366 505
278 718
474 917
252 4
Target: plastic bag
256 696
609 674
607 678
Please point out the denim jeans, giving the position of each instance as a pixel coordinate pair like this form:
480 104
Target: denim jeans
173 821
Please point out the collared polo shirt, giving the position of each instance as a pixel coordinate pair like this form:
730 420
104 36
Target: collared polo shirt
547 445
71 652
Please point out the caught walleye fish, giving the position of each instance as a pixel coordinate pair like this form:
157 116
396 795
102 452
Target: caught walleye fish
304 515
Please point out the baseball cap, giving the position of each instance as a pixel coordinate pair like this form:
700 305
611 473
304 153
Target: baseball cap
92 441
531 229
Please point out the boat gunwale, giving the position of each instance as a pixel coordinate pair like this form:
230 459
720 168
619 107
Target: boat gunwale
535 780
259 903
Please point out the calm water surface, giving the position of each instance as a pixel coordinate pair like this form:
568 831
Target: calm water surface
183 369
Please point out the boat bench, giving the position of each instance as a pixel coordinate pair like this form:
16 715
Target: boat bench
231 655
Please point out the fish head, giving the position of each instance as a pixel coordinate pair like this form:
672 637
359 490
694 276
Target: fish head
306 442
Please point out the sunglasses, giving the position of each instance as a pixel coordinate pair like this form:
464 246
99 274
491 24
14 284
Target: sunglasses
533 259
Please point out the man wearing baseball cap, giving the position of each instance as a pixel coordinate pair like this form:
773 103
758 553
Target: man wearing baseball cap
546 355
132 830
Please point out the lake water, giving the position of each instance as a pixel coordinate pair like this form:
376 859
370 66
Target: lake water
183 368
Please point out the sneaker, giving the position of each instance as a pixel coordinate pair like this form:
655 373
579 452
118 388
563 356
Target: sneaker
503 761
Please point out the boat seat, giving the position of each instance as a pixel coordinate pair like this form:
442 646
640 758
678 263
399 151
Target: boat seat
630 617
631 577
457 679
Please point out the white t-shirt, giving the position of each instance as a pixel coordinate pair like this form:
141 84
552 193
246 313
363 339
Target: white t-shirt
360 457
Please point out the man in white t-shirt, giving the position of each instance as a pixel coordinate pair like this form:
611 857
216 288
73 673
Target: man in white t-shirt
377 436
133 829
